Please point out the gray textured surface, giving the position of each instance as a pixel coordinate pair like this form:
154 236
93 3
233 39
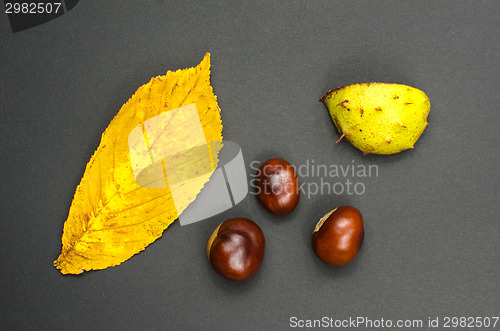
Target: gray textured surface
431 215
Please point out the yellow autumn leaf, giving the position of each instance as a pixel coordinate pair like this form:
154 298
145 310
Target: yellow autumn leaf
153 159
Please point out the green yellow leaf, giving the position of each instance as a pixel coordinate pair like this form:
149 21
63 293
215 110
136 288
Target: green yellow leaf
132 190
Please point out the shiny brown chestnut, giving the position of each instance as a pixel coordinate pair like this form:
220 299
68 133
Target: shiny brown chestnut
277 186
236 249
338 236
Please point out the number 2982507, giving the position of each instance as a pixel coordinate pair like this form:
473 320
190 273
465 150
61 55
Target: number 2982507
33 8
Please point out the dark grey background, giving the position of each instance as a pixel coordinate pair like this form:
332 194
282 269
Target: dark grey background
431 215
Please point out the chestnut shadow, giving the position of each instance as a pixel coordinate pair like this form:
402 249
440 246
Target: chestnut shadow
232 288
324 204
345 271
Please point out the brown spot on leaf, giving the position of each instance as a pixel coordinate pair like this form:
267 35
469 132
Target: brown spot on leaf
343 103
362 112
378 109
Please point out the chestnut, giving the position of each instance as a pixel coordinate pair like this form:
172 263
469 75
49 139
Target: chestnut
338 236
277 186
236 249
